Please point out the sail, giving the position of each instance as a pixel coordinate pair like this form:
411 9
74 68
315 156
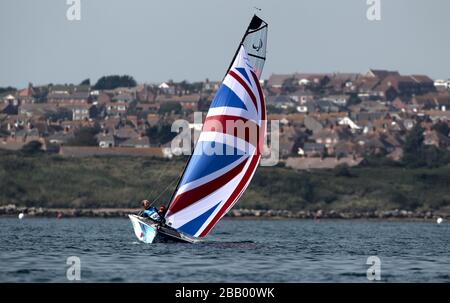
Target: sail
227 152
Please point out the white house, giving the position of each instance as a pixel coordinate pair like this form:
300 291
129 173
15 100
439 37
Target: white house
302 109
442 83
167 88
10 99
347 121
303 82
163 85
106 140
80 113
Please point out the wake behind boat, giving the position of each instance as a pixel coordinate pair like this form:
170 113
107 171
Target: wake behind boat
224 159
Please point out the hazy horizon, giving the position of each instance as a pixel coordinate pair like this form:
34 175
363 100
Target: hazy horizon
155 41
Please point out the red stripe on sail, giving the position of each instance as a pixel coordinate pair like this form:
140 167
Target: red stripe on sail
245 86
248 174
263 114
212 124
261 96
185 199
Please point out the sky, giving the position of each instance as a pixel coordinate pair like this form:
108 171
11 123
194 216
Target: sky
156 40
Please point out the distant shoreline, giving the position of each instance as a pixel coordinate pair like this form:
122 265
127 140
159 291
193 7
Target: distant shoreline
13 211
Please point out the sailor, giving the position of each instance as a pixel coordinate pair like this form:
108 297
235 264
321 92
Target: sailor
161 213
162 210
149 211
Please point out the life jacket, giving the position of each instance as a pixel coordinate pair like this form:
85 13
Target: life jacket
152 213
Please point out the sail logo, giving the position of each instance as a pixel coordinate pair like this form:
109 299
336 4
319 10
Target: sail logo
259 46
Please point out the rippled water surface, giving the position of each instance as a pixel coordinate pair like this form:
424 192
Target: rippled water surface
36 250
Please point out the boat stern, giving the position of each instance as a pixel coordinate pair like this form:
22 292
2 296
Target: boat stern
145 232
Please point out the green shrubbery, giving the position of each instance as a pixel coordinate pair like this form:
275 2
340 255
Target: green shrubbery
416 154
32 148
85 136
114 81
53 181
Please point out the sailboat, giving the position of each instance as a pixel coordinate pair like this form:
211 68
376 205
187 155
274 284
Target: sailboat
223 162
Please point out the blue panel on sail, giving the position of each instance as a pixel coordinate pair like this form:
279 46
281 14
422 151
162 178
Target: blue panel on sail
243 72
203 164
194 225
226 97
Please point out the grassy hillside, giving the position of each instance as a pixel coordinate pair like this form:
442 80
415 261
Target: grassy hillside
53 181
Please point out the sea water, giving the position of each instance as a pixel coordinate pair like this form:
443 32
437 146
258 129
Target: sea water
37 250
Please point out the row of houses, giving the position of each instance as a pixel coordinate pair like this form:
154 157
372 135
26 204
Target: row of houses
334 92
321 115
356 135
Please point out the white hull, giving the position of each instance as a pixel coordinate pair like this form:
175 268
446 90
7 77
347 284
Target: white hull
144 231
149 232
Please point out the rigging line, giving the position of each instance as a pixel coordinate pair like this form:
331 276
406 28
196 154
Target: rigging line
165 189
181 175
151 192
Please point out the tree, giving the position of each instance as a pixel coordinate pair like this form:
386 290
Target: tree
203 104
413 147
86 82
160 134
32 148
115 81
442 128
416 154
85 136
391 93
342 170
7 89
61 114
94 112
191 87
353 100
10 110
289 85
272 109
324 81
170 107
414 140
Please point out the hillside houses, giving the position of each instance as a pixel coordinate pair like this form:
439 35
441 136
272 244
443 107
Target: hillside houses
188 102
358 114
321 115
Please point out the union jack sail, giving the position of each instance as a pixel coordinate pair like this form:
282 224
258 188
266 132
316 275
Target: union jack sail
229 147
